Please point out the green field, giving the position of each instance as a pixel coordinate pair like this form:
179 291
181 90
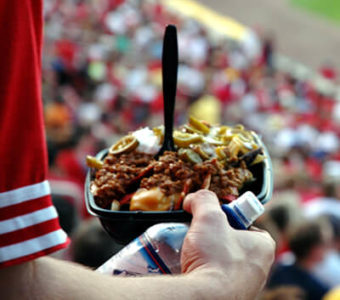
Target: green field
326 8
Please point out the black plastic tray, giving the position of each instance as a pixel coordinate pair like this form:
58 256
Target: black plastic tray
124 226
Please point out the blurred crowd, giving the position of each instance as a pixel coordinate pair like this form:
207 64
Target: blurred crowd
102 78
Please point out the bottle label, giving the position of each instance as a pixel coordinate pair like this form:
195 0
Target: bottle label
151 257
135 259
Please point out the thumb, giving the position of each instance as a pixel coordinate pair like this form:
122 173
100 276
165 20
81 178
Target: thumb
205 208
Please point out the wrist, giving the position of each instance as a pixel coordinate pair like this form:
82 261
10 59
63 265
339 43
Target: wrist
237 281
212 283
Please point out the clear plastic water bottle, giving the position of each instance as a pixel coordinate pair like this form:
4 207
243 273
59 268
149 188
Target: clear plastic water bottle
158 250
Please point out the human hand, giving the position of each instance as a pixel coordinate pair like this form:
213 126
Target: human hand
239 259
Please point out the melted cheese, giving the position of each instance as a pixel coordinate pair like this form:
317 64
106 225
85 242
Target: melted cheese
150 200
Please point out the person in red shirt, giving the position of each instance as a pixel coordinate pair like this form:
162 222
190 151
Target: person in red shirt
328 71
29 226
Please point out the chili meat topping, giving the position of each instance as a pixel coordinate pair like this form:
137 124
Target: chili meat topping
210 157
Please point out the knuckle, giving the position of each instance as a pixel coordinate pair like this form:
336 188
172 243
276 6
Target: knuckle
271 241
205 194
269 248
213 216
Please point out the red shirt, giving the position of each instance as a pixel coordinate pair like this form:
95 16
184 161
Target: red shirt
29 225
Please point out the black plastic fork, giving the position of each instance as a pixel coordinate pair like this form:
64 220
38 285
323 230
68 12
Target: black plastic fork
169 76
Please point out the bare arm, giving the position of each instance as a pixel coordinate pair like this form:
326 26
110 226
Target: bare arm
48 278
218 262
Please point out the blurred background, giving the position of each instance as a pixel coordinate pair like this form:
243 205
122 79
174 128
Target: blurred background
270 65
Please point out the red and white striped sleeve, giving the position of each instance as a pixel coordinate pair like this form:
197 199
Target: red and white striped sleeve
29 225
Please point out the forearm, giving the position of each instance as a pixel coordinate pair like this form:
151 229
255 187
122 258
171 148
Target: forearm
218 262
48 278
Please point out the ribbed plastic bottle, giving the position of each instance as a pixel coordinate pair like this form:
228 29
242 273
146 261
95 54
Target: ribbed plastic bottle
158 249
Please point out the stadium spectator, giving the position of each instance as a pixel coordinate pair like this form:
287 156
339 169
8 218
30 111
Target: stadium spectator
308 242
